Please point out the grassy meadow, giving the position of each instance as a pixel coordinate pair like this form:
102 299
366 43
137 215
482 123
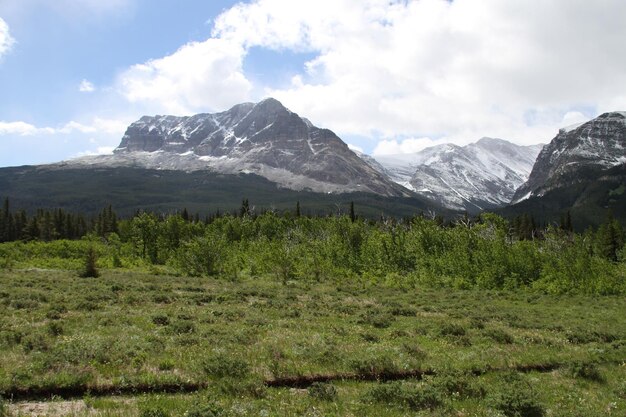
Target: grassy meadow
138 343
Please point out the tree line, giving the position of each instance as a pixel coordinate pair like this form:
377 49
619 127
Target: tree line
483 252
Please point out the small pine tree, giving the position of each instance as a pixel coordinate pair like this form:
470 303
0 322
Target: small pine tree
297 209
352 214
91 269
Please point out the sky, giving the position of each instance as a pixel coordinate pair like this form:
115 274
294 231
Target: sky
387 76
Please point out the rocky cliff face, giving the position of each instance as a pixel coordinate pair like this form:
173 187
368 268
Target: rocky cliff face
594 146
482 175
264 138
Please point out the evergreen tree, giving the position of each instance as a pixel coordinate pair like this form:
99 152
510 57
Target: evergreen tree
245 208
5 215
91 270
352 214
297 208
610 238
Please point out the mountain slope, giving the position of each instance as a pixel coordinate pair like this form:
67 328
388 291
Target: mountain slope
478 176
582 170
599 143
264 138
128 189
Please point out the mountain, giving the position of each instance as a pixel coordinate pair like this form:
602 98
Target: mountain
265 139
479 176
262 152
582 170
597 145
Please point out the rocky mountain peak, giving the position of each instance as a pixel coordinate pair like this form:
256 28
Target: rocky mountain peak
481 175
597 144
264 138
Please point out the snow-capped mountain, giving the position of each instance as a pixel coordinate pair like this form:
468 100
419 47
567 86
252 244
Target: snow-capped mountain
478 176
597 145
264 138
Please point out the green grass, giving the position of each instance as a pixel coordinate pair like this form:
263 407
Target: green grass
138 333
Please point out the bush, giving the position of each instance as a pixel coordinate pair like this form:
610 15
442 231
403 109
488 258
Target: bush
514 397
452 329
374 365
204 410
378 319
322 391
457 384
499 336
225 366
160 320
410 395
182 327
153 412
588 371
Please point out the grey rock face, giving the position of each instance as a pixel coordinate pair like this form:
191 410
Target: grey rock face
264 138
478 176
599 143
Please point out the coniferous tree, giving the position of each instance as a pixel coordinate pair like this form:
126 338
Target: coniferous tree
610 238
91 269
245 208
352 214
5 215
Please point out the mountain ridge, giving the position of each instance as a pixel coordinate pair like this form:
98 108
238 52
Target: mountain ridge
599 142
264 138
478 176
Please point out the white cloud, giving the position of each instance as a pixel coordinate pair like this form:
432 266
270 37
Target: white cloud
86 87
200 76
355 148
6 41
455 71
573 117
410 145
22 129
100 150
461 69
97 125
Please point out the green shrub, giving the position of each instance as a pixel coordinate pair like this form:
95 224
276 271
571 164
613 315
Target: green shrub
499 336
378 319
457 384
225 366
238 387
585 370
323 391
204 410
404 394
452 329
373 365
54 328
182 327
160 320
514 397
153 412
166 365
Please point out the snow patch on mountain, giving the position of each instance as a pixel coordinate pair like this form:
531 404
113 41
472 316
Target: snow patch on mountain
264 138
474 177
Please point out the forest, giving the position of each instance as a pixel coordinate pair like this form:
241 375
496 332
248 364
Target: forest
486 252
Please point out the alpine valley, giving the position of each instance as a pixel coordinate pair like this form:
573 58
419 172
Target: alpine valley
270 155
